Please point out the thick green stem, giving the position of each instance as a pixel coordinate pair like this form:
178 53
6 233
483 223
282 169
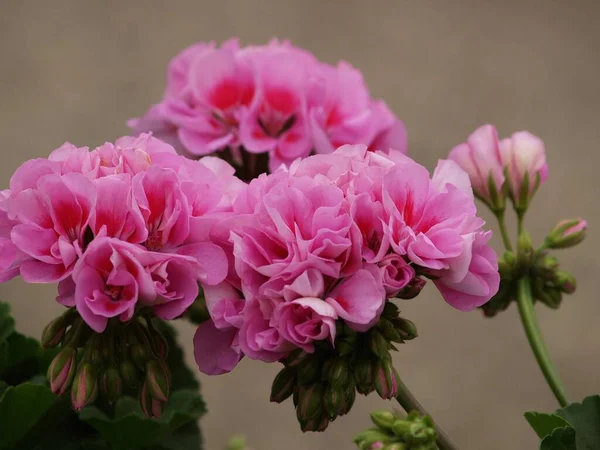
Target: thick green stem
532 329
503 230
410 403
520 221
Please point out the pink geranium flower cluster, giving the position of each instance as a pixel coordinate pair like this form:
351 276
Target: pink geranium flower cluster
331 239
119 227
274 98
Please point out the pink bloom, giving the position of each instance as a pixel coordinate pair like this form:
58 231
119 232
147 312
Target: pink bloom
164 208
53 217
359 300
109 280
156 121
480 158
258 339
524 155
305 320
276 121
342 112
216 350
396 274
481 281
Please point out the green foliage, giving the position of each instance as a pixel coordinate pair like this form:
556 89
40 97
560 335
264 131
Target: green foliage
575 427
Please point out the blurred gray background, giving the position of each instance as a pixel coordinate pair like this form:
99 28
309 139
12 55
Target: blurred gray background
76 70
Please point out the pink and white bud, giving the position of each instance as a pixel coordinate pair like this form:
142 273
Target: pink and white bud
480 158
386 379
524 157
85 387
62 370
151 407
567 233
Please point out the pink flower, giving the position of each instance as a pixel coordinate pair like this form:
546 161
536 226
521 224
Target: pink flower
277 117
396 274
109 280
525 158
52 220
480 158
360 299
304 321
481 281
342 112
216 350
156 121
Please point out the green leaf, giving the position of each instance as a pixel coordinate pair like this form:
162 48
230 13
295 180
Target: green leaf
560 439
21 407
7 323
544 424
585 419
3 355
130 430
23 360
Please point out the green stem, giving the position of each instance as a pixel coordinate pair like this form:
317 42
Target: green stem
532 329
503 230
410 403
520 221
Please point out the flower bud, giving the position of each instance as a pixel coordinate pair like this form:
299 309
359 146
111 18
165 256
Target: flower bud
85 386
373 436
406 328
62 370
283 385
309 370
339 373
310 402
565 282
524 157
139 355
158 380
383 419
334 401
389 331
77 335
546 266
386 379
129 373
159 343
401 428
151 407
567 233
379 344
412 289
363 376
318 425
525 247
111 384
390 310
295 358
53 333
399 446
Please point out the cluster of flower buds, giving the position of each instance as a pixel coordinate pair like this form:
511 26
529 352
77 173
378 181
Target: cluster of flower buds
392 432
324 383
549 281
127 357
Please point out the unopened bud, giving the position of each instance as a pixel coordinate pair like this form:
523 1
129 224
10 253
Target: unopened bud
139 355
283 385
349 398
310 402
151 407
379 344
565 282
158 380
111 384
567 233
387 328
383 419
386 379
546 267
525 248
53 333
339 373
412 289
367 439
62 370
77 335
390 310
129 373
401 446
309 369
159 343
85 386
295 358
317 425
363 376
406 328
334 401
